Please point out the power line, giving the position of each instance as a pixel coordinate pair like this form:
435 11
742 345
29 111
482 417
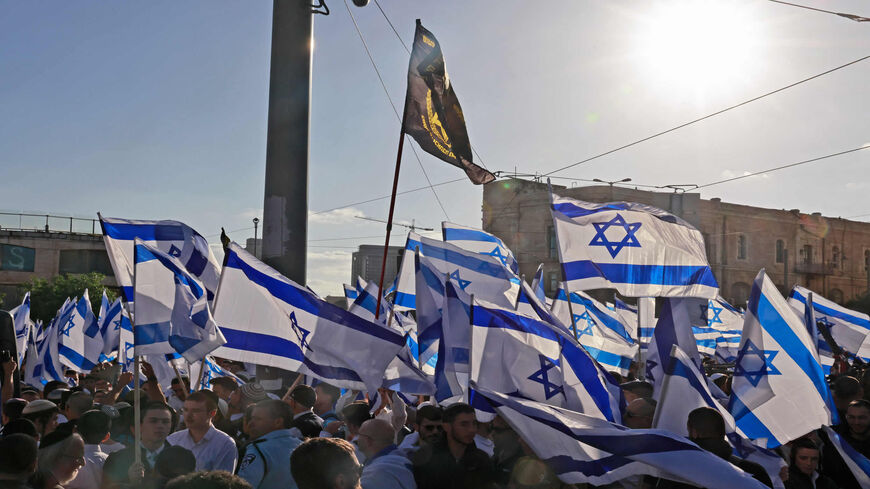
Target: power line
856 18
387 196
706 116
770 170
395 111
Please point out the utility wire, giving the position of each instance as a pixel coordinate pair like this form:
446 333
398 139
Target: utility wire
387 196
770 170
856 18
395 111
707 116
399 37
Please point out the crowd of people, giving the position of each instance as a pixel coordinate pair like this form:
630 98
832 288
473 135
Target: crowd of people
81 435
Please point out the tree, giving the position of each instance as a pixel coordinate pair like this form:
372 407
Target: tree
47 296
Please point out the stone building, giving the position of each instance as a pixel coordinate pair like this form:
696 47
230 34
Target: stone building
366 263
829 255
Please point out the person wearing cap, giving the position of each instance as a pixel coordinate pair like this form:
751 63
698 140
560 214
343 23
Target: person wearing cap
12 409
301 400
636 389
213 449
30 393
43 414
265 461
93 426
61 455
18 455
246 395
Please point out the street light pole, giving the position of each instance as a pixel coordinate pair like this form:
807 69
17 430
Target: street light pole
256 221
611 183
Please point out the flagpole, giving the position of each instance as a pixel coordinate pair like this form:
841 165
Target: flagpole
665 383
392 207
201 371
137 388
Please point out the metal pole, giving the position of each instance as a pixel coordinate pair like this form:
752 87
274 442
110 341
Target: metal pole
256 221
285 207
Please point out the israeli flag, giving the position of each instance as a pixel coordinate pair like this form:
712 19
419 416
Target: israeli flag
858 464
269 320
849 328
211 371
126 344
538 284
172 313
585 449
429 286
452 367
481 242
529 304
111 316
350 294
364 307
599 330
779 390
639 250
23 326
171 237
79 341
674 327
525 357
728 321
476 274
48 366
706 336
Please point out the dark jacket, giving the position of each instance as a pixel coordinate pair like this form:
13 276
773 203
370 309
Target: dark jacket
799 480
435 468
309 424
118 463
833 465
720 448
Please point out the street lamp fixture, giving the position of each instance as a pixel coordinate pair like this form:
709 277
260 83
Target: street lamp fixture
611 183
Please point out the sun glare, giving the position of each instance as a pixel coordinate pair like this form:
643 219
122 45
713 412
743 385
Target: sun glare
699 45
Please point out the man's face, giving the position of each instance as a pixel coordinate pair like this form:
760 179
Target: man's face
30 396
178 390
858 419
323 403
69 463
197 415
222 392
235 400
262 423
50 425
462 429
430 431
156 426
807 460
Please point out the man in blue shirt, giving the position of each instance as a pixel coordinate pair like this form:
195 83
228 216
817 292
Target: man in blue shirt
266 461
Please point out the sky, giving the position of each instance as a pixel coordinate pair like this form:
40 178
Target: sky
157 110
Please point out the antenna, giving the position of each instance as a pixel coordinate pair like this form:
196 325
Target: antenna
410 227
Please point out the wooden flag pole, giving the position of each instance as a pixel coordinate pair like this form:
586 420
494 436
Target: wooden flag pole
390 216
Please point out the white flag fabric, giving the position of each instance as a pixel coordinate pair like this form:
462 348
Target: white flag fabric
172 237
268 319
850 329
481 242
23 326
172 313
582 448
778 392
476 274
110 325
674 327
80 342
639 250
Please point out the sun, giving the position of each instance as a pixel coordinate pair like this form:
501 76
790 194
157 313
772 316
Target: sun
702 46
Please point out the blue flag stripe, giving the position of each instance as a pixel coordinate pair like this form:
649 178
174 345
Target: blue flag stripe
627 273
151 232
454 234
459 260
832 312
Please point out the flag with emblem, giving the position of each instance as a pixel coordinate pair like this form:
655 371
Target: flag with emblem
728 321
480 241
599 330
350 294
269 320
850 329
639 250
433 116
525 357
172 237
674 327
110 324
79 340
476 274
23 326
778 393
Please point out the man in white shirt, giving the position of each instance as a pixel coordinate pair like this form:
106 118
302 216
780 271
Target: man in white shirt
93 426
213 449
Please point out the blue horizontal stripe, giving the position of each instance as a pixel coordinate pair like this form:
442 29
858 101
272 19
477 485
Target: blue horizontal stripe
624 273
564 464
461 260
128 293
307 302
147 232
405 300
827 311
282 347
680 369
607 358
454 234
749 424
142 254
152 333
573 210
74 357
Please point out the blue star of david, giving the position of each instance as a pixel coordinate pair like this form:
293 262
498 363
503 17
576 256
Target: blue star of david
117 324
589 323
650 365
496 253
754 363
462 283
824 320
301 333
128 353
629 240
174 251
543 378
705 313
69 325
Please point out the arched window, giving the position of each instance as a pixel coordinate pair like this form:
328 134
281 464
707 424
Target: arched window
836 295
835 256
741 247
807 254
780 251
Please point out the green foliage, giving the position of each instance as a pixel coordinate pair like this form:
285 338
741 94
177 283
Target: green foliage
47 296
860 303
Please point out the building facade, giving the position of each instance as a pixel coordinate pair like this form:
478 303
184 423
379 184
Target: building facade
367 260
828 255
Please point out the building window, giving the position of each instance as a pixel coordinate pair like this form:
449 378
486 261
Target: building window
835 257
836 295
552 283
780 251
807 254
741 247
866 259
85 261
17 258
552 243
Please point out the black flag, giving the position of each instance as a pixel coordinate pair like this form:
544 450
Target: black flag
433 116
